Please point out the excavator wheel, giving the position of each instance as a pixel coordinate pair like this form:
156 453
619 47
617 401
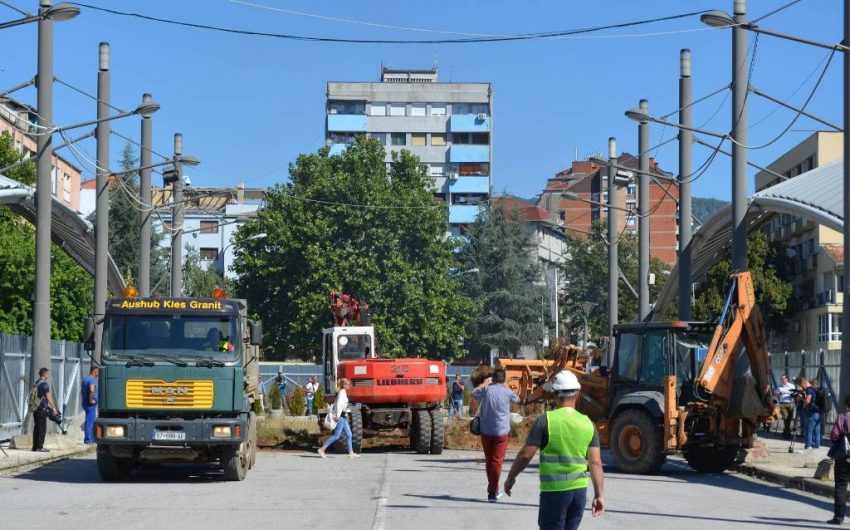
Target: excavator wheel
438 431
636 443
420 432
710 459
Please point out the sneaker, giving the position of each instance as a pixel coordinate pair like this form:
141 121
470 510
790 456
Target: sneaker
41 450
494 497
353 455
322 452
835 520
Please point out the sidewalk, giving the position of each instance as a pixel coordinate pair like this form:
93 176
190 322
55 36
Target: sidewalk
14 460
791 469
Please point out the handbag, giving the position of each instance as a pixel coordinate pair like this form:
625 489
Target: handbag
475 425
329 421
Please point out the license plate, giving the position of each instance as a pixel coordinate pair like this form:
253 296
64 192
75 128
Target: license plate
169 435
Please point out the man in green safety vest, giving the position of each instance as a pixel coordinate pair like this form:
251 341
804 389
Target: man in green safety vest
569 452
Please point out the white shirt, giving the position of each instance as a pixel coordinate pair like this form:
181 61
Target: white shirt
341 403
311 388
784 392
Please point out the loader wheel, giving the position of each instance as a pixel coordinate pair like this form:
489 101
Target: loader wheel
420 432
636 443
710 459
438 431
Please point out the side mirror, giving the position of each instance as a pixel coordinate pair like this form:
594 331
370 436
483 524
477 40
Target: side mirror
88 334
256 331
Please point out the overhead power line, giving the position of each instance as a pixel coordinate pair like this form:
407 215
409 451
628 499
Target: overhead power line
336 40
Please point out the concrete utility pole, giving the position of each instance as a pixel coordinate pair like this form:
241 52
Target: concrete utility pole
686 145
43 205
739 137
101 228
145 200
844 384
613 247
177 220
643 214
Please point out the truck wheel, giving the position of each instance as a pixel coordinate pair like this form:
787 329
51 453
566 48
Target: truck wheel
710 459
438 431
252 439
109 468
636 443
421 443
234 462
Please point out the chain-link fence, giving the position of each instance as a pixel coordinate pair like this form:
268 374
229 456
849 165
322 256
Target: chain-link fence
69 363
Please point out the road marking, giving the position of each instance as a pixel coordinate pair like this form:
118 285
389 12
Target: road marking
381 507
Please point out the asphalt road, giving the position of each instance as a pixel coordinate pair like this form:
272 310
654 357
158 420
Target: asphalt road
381 491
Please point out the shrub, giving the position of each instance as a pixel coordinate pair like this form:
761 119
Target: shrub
274 397
297 402
319 399
256 407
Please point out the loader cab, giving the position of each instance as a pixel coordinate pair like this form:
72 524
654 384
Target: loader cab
339 344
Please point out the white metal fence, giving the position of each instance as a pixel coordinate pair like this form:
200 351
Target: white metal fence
69 363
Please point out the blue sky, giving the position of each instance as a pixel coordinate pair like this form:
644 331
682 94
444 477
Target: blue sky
247 106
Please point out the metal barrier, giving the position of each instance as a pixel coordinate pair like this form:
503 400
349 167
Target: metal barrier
824 365
68 365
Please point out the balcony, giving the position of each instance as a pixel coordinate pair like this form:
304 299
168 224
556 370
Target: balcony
826 297
469 153
469 123
469 185
347 122
462 213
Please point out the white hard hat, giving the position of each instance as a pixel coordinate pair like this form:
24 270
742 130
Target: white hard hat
565 380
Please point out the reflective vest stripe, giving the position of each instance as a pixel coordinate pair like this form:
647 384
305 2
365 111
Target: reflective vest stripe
549 459
565 478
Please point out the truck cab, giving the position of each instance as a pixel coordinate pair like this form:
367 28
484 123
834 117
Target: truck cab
350 343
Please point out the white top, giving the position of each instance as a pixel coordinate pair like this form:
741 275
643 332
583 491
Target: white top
341 403
311 388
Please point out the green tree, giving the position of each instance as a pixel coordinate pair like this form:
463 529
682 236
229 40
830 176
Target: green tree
71 287
586 275
507 289
349 223
199 281
770 268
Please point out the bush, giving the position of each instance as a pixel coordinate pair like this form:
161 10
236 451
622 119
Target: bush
256 407
319 399
274 397
297 402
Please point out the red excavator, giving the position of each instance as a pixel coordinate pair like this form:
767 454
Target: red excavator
394 397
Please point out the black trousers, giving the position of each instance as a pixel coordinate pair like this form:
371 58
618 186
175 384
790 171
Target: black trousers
39 418
842 474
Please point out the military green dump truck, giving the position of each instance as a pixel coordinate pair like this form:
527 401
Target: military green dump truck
178 377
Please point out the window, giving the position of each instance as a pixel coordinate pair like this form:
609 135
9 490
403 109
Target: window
460 138
829 327
418 139
458 230
470 108
398 139
438 109
398 109
381 137
438 139
437 170
378 109
469 168
480 138
209 254
209 227
628 348
346 107
417 109
653 364
341 137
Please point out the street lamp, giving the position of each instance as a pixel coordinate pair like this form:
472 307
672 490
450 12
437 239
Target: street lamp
586 308
59 13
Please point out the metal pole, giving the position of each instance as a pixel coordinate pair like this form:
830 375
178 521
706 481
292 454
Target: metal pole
643 218
844 380
686 146
613 247
584 340
739 137
557 319
145 200
177 221
43 169
101 228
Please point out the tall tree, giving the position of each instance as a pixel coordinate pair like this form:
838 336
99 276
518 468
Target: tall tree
507 286
349 223
199 281
71 287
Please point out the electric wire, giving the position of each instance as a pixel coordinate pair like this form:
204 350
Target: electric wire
86 94
13 8
137 144
777 10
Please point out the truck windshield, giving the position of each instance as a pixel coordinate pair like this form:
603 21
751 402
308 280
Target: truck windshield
129 336
354 347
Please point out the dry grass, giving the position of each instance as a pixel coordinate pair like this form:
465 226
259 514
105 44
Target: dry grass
459 437
287 433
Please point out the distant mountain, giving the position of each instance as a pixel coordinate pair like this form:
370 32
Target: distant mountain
704 208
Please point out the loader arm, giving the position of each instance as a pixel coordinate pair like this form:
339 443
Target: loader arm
740 325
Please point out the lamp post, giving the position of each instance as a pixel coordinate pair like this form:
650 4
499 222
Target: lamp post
145 201
613 248
643 214
739 138
44 85
177 220
586 308
685 169
101 228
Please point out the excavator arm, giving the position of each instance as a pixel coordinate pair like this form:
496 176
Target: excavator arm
740 326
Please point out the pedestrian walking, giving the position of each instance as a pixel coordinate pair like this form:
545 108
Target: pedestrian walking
338 411
44 408
310 393
89 401
495 416
569 451
841 471
457 396
786 404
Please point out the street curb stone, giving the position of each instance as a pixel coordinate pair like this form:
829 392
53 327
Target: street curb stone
806 484
16 461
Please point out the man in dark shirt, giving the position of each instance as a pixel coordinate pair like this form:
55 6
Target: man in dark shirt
45 406
457 397
813 414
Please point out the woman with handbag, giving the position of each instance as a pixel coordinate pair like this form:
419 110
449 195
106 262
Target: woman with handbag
337 413
840 451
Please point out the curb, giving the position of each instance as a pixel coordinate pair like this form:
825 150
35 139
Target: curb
810 485
16 464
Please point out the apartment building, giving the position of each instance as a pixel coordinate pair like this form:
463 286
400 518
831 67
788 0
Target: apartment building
19 120
589 182
211 217
447 125
816 251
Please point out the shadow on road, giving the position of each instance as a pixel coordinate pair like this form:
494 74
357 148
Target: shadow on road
736 523
84 471
453 498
